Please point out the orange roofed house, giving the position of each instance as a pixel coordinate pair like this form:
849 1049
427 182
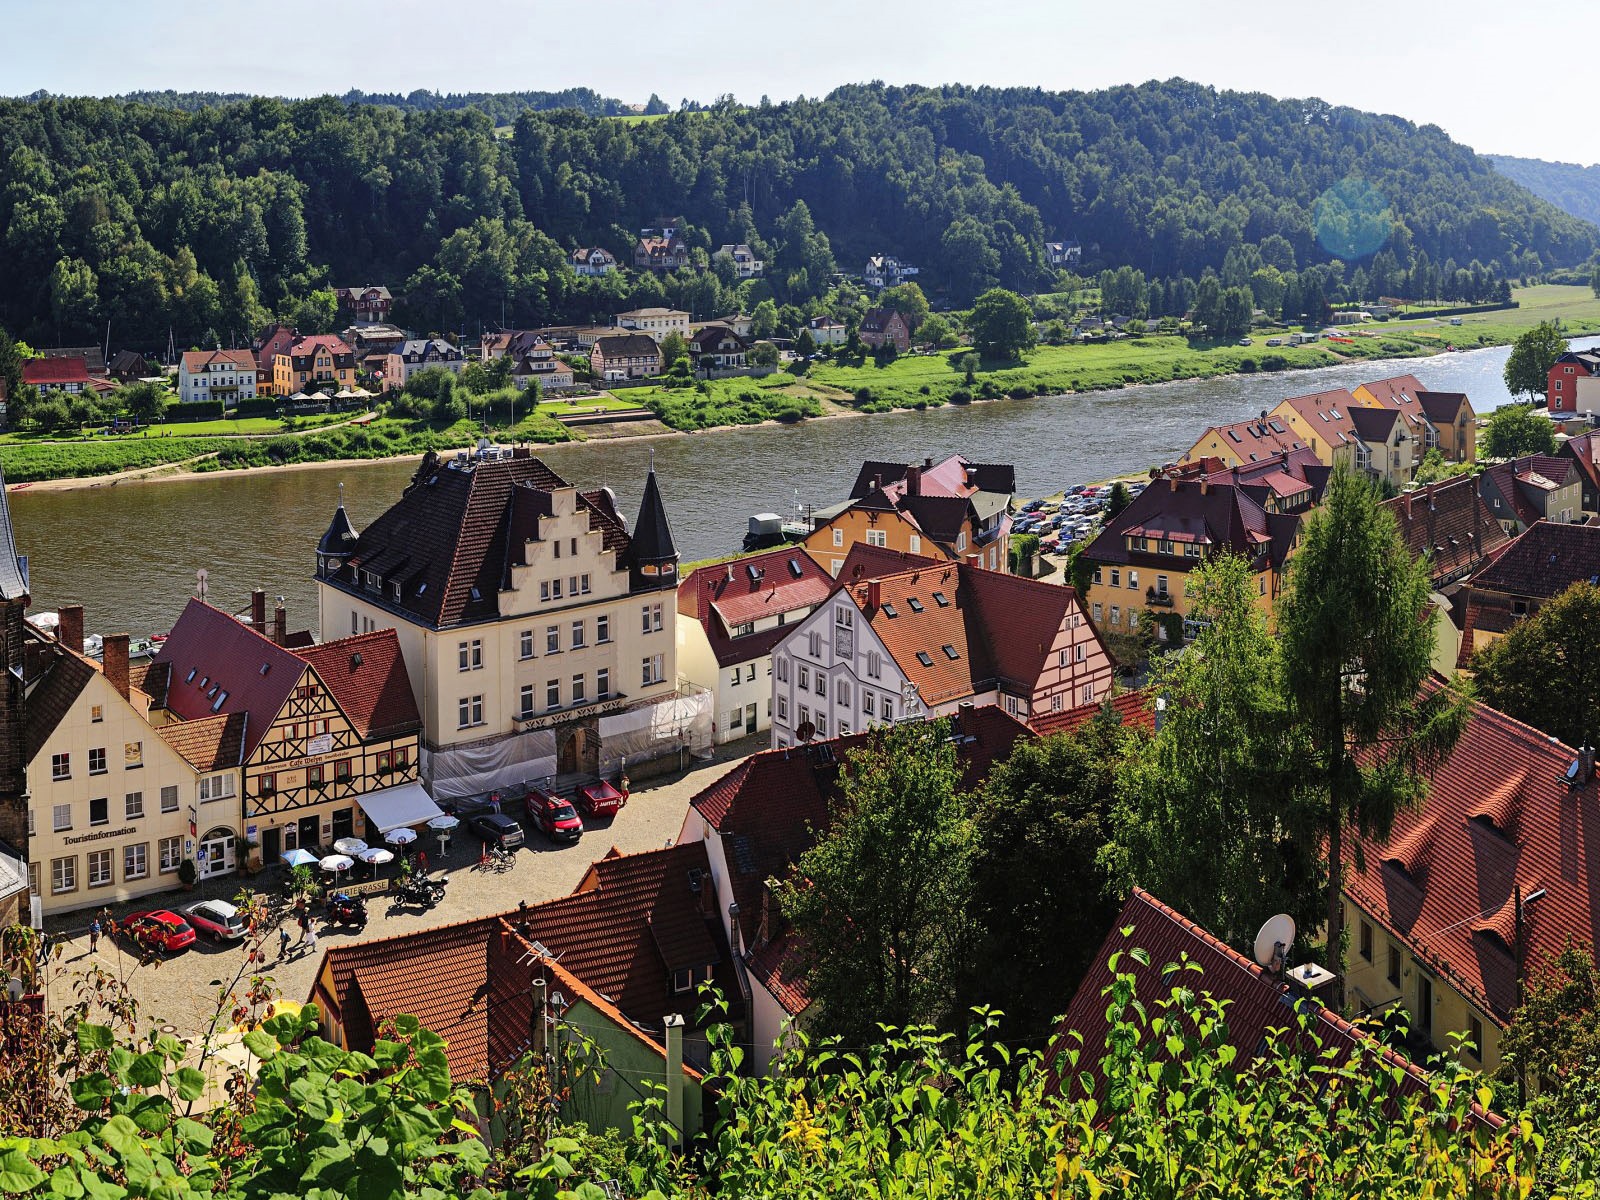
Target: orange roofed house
756 820
620 961
322 362
927 640
955 509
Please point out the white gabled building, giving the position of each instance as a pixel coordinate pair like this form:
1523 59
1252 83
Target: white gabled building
226 375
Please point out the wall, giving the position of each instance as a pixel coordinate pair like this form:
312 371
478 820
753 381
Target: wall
634 1072
851 670
831 543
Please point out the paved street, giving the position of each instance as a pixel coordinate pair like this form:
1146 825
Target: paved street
182 991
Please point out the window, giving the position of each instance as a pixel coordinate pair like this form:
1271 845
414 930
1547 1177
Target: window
341 771
552 639
134 861
682 979
525 707
100 811
874 665
844 616
1133 579
133 755
1088 693
750 673
1474 1045
555 585
169 798
925 658
572 581
652 618
734 682
783 668
383 763
552 694
314 776
64 875
961 542
822 684
170 854
916 544
805 678
1116 615
1095 612
578 696
602 683
868 701
1366 940
843 692
216 787
1161 585
544 591
96 714
267 785
33 878
822 724
99 868
652 669
838 537
1116 577
877 537
61 766
814 643
1394 964
97 761
577 635
888 708
583 584
469 711
602 628
133 806
783 708
61 817
1055 702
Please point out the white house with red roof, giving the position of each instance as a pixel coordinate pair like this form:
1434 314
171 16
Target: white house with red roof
928 639
730 615
226 375
51 374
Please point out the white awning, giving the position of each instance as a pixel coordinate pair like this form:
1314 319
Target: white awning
408 804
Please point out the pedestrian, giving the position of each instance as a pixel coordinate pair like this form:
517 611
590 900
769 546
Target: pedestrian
311 939
44 946
283 942
422 861
94 935
305 924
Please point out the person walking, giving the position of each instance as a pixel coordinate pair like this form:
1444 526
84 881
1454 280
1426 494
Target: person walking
311 939
422 861
283 941
94 935
305 924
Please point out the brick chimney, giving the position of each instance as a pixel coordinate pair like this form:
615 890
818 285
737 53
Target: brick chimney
258 611
114 660
70 630
913 481
874 595
1405 503
280 624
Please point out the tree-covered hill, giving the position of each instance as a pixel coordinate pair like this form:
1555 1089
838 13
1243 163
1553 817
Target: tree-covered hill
150 216
1571 188
501 107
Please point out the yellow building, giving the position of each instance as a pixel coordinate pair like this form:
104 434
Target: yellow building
949 510
1244 442
323 362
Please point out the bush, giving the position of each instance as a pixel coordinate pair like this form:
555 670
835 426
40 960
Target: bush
195 410
1274 362
863 395
1021 392
961 396
1247 365
258 406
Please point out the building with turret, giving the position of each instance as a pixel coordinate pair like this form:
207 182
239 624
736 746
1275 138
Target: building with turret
538 631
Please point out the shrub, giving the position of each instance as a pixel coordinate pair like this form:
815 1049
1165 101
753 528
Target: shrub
863 395
1020 392
1274 362
925 390
1247 365
195 410
961 396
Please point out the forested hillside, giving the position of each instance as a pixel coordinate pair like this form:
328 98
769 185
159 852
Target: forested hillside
502 107
208 221
1568 186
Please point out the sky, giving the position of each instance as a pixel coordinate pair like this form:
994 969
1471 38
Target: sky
1433 63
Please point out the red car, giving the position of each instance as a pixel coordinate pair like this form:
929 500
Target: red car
553 815
157 930
600 800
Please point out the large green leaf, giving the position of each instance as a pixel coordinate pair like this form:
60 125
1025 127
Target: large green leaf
191 1083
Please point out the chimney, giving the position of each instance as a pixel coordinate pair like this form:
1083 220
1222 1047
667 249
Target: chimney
1312 981
913 481
1585 764
674 1027
258 611
927 462
280 623
1405 503
1205 485
114 659
69 632
874 595
1172 483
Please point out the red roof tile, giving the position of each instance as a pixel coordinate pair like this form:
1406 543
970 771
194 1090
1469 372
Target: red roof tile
1255 439
1545 559
367 676
1327 415
1192 511
199 360
1449 521
1133 709
208 744
53 372
725 595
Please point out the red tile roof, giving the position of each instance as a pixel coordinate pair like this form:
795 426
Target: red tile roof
1191 511
1544 560
1327 415
1134 709
199 360
367 676
214 658
1255 439
1397 393
1450 521
874 562
208 744
53 372
725 595
1257 1004
1498 814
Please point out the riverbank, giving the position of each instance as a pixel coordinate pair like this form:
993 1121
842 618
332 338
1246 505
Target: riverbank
915 382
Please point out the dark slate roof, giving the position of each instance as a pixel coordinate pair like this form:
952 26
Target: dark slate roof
12 584
1442 408
1546 559
53 695
652 535
340 537
1220 516
627 345
1450 521
1374 424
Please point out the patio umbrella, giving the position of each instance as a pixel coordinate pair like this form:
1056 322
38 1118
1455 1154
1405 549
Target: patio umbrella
299 858
344 394
360 393
299 396
400 837
337 862
443 822
376 856
350 845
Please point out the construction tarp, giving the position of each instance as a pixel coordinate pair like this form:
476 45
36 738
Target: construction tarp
489 766
679 723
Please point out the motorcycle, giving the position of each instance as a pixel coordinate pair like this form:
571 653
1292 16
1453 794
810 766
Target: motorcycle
347 910
418 893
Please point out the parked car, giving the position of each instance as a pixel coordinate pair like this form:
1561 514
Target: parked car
217 920
553 815
497 829
600 800
1274 341
157 930
1244 341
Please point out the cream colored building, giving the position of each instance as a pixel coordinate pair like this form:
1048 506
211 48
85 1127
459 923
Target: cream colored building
538 632
657 322
115 806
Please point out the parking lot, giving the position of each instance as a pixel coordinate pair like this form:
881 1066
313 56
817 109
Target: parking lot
181 992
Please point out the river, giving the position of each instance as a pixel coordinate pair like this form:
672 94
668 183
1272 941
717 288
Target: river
130 553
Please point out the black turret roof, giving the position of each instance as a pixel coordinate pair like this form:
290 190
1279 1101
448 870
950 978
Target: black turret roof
652 535
341 535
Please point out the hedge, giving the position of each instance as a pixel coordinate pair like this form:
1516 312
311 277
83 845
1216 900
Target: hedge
194 410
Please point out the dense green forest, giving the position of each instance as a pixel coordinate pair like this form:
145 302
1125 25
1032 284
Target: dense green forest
1570 187
209 221
502 107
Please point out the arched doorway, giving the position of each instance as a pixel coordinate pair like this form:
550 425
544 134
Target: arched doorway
579 753
215 854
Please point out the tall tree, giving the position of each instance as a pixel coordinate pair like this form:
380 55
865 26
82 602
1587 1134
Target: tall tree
1532 355
907 300
1515 429
1039 824
1357 651
1546 670
880 902
1209 815
1002 325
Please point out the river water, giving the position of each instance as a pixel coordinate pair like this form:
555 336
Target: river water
130 553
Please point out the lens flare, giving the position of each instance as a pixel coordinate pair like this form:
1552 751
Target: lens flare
1352 219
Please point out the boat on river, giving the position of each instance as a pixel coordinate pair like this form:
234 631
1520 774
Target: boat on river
139 649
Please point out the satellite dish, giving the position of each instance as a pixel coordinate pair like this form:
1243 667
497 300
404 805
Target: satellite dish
806 731
1273 942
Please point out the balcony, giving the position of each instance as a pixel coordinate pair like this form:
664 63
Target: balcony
1155 599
